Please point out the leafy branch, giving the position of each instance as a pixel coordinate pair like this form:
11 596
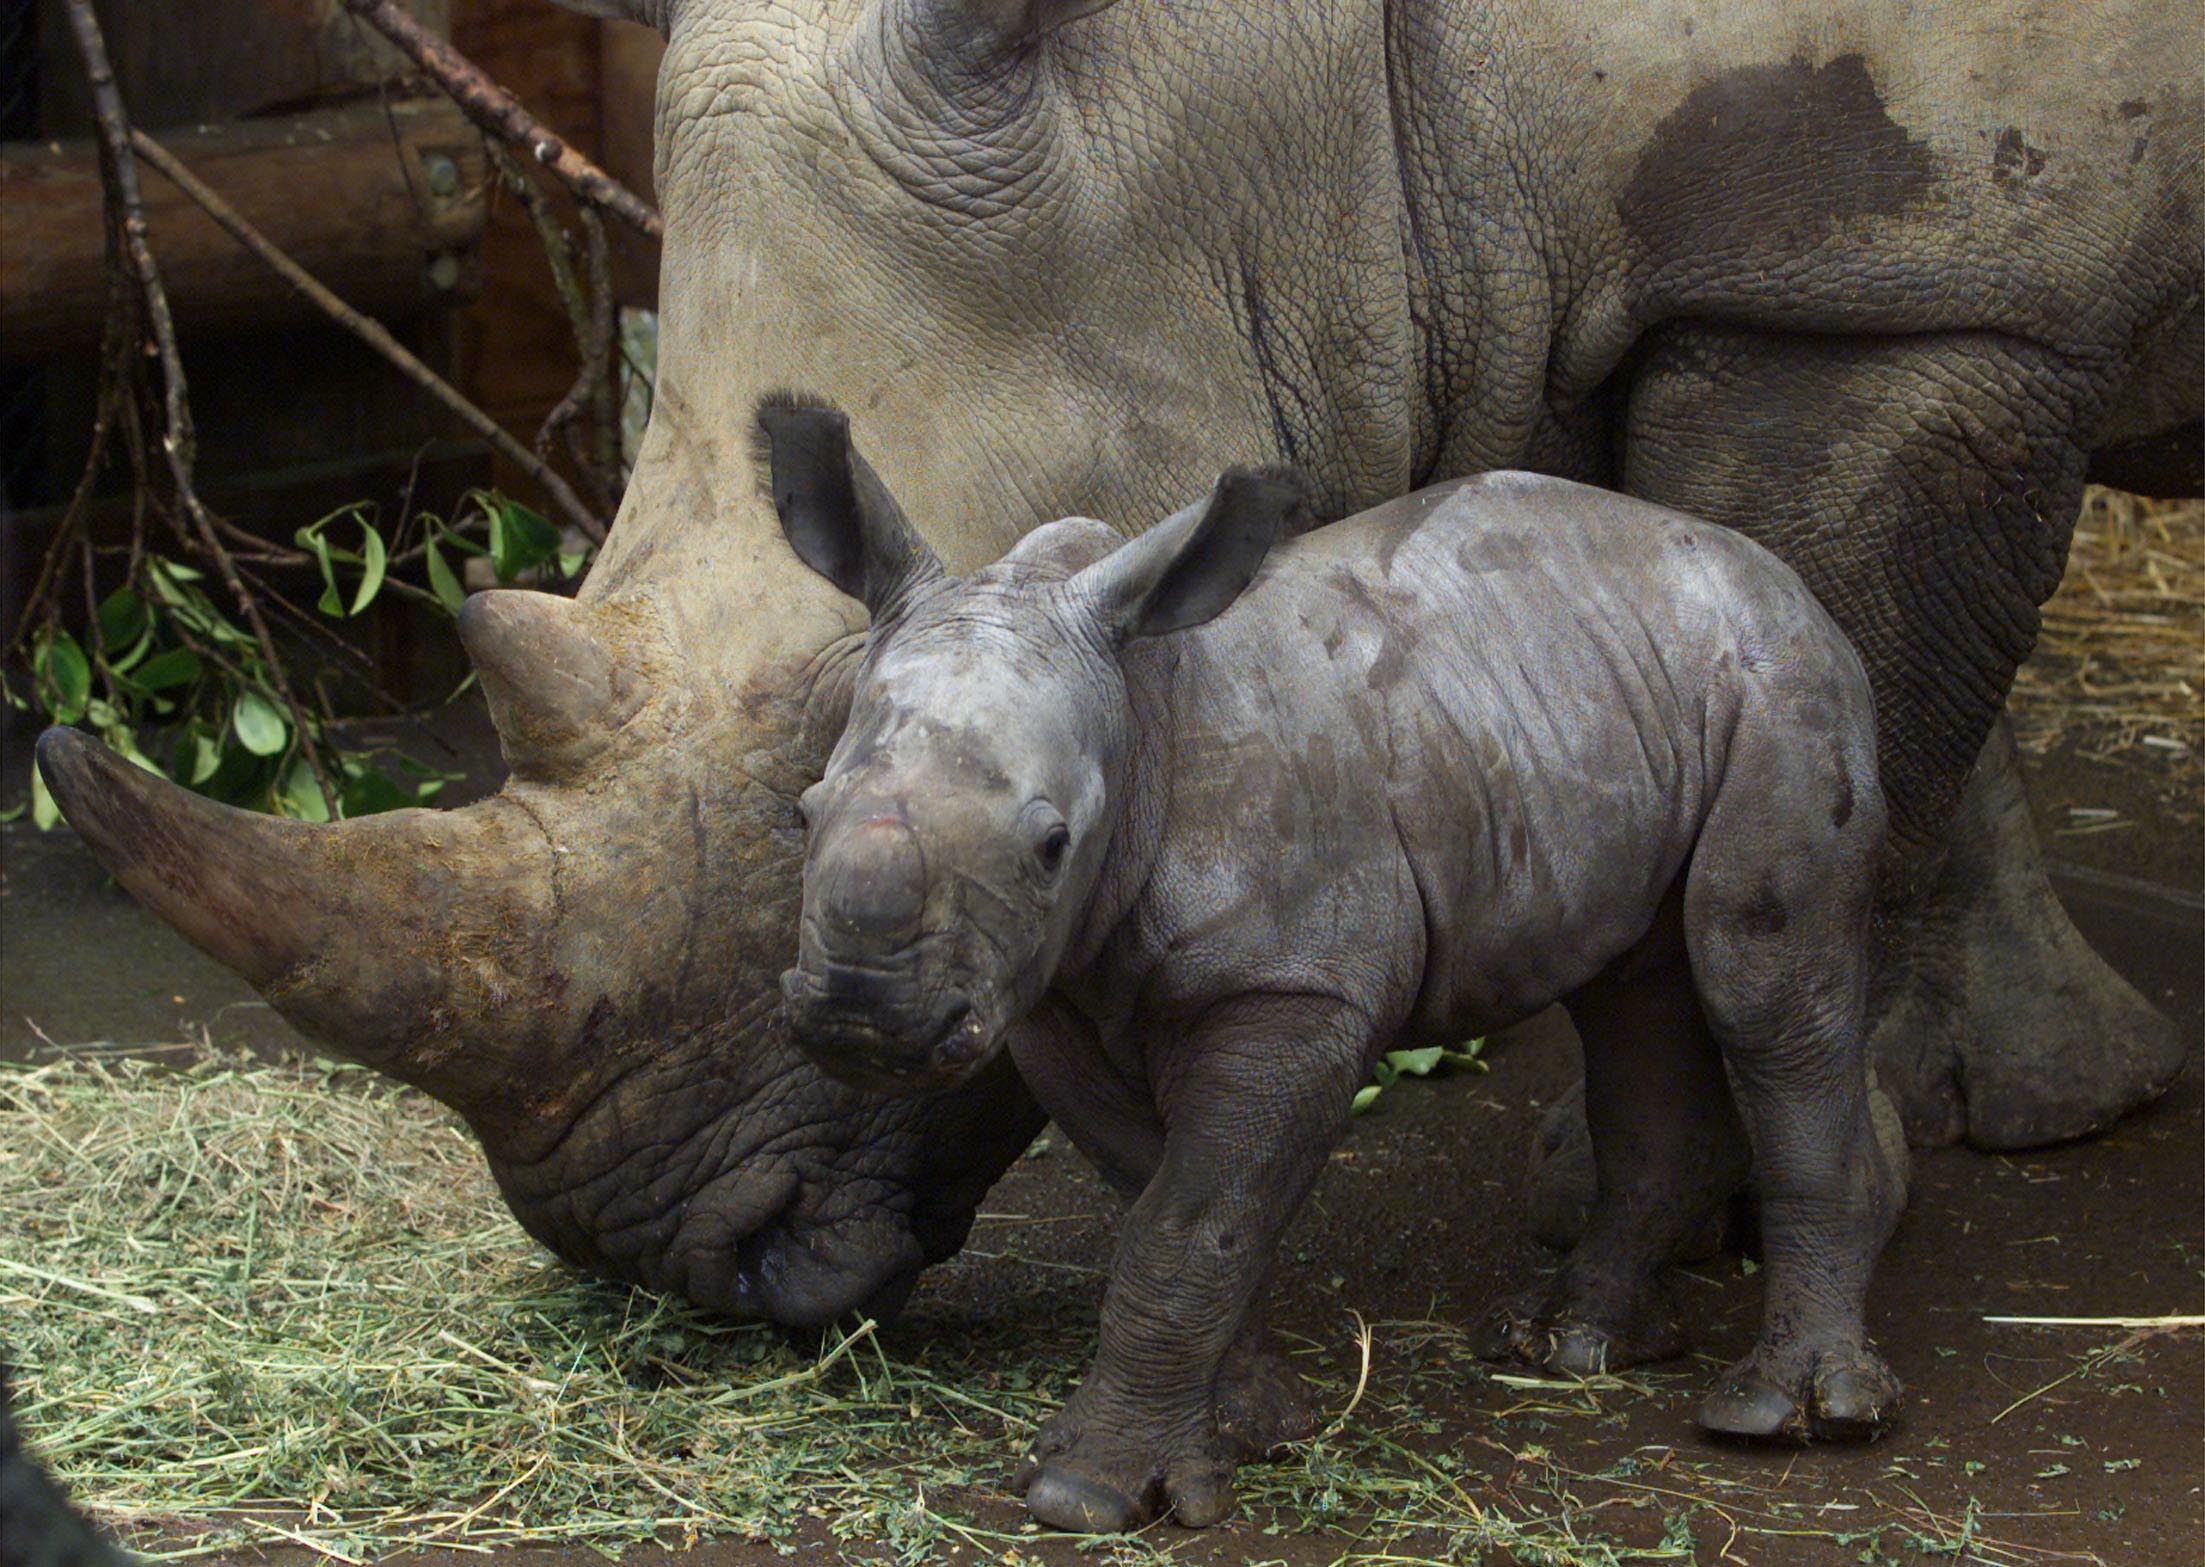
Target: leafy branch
178 667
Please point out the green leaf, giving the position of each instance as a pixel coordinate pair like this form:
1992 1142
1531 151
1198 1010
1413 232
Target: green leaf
331 603
1383 1074
262 728
369 791
44 813
520 537
441 580
122 618
377 560
372 559
299 795
122 740
176 667
1364 1098
571 563
206 756
121 663
1416 1063
168 579
65 676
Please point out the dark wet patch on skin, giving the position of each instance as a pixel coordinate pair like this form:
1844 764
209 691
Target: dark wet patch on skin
1385 670
2013 158
1399 637
1771 158
1390 542
1842 812
1764 913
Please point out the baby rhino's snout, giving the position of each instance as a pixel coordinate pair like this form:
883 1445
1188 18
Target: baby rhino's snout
872 889
859 1000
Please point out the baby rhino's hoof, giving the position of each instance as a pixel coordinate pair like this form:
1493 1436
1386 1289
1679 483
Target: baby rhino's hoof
1848 1397
1571 1347
1262 1403
1064 1500
1085 1491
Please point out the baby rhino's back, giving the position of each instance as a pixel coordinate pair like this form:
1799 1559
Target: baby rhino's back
1523 690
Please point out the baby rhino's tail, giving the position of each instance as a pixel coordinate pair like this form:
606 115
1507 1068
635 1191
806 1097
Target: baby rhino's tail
38 1527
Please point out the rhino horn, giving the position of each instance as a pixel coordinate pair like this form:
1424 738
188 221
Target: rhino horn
367 934
556 694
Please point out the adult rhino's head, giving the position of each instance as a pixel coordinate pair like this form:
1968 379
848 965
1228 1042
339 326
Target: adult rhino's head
961 825
966 220
1055 256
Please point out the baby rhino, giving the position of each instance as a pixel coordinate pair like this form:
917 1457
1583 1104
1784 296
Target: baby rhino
1199 827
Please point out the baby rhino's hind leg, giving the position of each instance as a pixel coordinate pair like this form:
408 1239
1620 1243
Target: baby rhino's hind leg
1776 916
1668 1149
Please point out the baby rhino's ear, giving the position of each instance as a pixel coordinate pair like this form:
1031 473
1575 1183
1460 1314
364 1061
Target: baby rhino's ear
1194 563
838 516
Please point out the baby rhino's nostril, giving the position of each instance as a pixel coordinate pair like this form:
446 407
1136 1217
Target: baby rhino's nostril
963 1040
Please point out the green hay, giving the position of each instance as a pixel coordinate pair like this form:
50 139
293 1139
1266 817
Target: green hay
255 1304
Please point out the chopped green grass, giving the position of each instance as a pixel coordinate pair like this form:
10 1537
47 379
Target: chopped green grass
254 1304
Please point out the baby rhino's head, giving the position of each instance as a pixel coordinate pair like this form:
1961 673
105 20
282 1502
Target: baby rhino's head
961 825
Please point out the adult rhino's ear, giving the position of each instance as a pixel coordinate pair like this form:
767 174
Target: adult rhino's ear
658 14
838 516
1190 566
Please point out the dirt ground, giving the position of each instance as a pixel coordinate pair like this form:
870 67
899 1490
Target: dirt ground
2019 1443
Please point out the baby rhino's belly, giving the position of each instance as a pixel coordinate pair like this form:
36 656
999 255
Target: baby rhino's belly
1505 950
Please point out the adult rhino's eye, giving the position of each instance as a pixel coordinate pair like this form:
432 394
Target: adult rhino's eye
1051 849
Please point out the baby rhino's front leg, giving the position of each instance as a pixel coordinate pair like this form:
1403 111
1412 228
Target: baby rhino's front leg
1253 1099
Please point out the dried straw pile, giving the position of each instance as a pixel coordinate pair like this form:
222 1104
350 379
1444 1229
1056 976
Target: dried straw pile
255 1304
2120 668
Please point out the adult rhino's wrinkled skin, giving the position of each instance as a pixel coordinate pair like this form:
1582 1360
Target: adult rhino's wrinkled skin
1867 279
1200 844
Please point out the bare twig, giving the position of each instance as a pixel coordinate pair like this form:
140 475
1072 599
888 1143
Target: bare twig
497 111
368 331
600 358
2173 1324
118 343
119 174
2092 1364
589 312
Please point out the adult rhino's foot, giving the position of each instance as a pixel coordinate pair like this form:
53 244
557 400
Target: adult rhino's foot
1262 1402
1585 1337
1996 1021
1804 1393
1085 1476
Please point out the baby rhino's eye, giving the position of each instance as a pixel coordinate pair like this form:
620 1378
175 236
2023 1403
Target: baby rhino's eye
1051 849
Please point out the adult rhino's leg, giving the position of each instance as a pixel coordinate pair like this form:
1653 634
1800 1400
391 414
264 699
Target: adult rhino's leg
1926 489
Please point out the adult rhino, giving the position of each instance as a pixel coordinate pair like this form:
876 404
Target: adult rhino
1876 279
